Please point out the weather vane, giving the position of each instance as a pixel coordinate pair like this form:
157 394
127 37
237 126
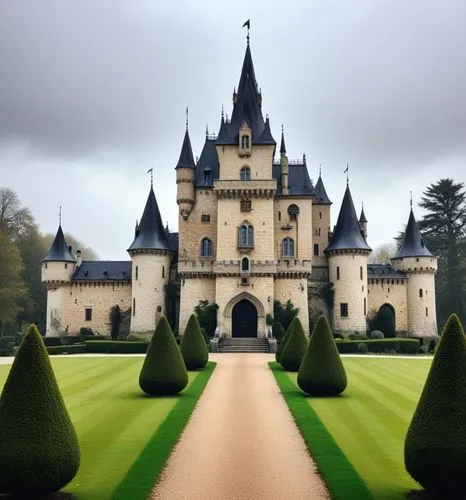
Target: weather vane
347 173
187 117
248 26
151 170
59 217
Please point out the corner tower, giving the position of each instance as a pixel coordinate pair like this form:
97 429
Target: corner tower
321 206
151 255
185 177
347 259
415 260
57 270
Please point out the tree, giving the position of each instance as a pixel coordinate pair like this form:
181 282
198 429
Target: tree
207 316
164 370
193 345
284 314
115 318
295 348
382 254
87 253
12 289
15 220
40 450
435 454
385 321
321 372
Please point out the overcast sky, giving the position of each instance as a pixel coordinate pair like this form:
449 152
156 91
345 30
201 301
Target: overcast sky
93 94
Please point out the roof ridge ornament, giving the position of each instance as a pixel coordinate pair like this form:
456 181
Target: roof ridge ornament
248 26
187 118
151 170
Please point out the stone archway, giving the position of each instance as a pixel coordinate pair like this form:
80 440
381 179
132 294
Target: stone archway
386 320
249 302
244 319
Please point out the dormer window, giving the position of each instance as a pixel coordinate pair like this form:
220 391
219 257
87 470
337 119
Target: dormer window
207 177
245 140
245 174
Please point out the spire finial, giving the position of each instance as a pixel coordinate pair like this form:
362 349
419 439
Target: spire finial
59 217
223 114
207 131
282 128
248 26
187 117
411 199
320 169
151 170
347 173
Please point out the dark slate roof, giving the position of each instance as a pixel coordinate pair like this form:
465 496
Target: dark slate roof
104 270
299 182
413 244
266 137
207 161
247 108
173 239
362 217
383 271
282 144
321 194
347 234
151 234
186 159
59 251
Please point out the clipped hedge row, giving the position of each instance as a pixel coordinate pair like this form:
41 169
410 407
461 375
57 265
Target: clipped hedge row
66 349
400 345
116 346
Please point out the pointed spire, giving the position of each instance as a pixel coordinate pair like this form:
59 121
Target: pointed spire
321 195
347 234
186 159
59 251
282 145
362 217
413 244
151 234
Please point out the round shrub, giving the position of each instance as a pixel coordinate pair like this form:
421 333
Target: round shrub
435 453
321 372
362 348
277 331
295 348
39 452
193 346
377 334
164 370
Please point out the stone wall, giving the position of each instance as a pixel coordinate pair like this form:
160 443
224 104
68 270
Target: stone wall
320 231
296 291
389 291
192 291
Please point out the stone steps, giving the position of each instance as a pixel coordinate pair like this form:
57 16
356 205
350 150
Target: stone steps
243 345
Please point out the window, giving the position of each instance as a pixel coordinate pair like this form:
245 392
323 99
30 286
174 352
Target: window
245 281
163 271
206 248
427 312
245 205
159 309
66 266
137 272
246 236
88 314
245 173
287 247
205 218
420 292
245 265
360 272
134 307
320 215
316 249
365 306
344 310
245 142
293 211
207 176
338 272
279 218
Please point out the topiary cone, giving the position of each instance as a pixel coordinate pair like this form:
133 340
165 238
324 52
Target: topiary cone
39 450
321 372
295 348
435 445
282 343
193 347
163 371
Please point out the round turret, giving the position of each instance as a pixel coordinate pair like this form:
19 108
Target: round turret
185 178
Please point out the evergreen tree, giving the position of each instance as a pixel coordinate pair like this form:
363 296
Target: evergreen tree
435 451
39 451
193 345
295 348
321 372
284 313
164 370
281 344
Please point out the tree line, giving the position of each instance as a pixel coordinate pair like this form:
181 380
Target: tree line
23 298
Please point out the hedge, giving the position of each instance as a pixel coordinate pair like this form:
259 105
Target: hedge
66 349
52 341
400 345
116 346
79 339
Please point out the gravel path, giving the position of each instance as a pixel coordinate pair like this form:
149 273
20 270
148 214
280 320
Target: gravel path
241 441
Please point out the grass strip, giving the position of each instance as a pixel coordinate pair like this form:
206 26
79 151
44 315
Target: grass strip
341 478
146 470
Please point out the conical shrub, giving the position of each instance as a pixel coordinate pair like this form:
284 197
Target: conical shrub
435 449
193 347
282 343
321 372
39 450
295 348
163 371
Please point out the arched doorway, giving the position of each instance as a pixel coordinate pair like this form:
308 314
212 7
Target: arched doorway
244 319
386 320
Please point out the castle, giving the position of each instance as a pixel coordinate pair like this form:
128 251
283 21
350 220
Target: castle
252 229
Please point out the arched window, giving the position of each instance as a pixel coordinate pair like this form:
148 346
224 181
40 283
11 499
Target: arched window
245 141
293 211
288 247
206 248
245 265
246 235
245 174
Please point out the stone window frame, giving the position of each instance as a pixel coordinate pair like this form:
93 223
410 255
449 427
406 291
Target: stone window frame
247 268
205 218
293 212
287 247
207 247
245 235
245 173
88 314
344 310
316 250
245 205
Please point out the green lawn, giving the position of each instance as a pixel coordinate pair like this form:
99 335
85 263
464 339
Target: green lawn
125 436
368 424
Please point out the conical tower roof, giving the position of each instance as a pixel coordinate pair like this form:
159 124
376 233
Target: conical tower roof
413 244
282 144
151 234
59 251
321 194
186 156
362 217
347 234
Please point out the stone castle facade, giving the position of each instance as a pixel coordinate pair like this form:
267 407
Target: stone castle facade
253 229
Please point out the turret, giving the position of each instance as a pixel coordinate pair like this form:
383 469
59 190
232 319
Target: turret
283 165
321 205
363 223
57 270
151 255
347 259
415 260
185 178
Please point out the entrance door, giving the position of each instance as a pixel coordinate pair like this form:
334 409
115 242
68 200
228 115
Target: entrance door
244 319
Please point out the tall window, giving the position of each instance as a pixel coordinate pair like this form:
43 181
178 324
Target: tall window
316 249
246 236
134 307
420 292
88 314
360 272
293 211
245 265
344 310
338 272
137 273
287 247
245 173
207 176
245 142
206 248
